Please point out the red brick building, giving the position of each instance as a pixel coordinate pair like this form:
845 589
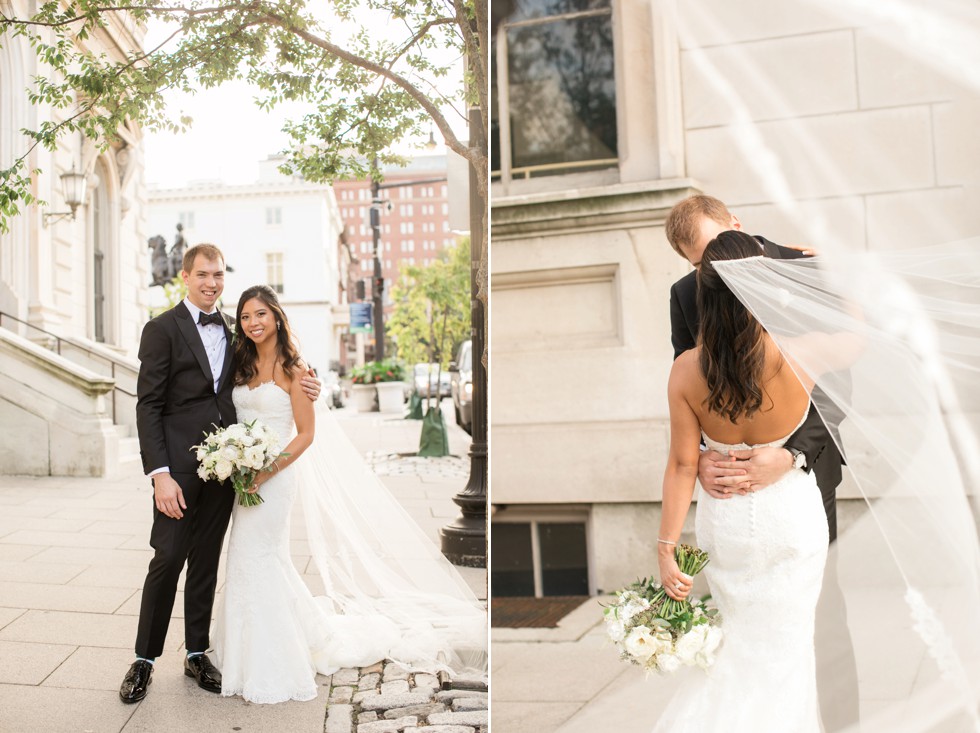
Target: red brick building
414 222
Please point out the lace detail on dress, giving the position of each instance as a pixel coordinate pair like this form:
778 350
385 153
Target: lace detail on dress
768 551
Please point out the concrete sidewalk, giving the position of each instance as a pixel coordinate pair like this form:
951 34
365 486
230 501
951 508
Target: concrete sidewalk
73 556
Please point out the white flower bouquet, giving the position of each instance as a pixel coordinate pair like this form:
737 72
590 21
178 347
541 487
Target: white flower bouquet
239 452
655 632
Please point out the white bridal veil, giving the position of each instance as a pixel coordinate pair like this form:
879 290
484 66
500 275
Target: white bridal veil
893 341
379 569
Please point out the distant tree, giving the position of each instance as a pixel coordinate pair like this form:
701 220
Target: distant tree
432 307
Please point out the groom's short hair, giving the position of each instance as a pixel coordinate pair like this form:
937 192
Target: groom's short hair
683 224
210 252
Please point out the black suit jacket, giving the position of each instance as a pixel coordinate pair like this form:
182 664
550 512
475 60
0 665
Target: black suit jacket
812 438
176 404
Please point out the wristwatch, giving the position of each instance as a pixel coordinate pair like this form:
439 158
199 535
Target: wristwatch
799 457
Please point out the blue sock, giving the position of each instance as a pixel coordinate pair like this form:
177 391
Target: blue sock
144 659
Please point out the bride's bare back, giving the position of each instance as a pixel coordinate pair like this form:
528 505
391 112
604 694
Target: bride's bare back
784 402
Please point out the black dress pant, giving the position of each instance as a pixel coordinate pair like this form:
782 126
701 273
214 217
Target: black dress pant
195 538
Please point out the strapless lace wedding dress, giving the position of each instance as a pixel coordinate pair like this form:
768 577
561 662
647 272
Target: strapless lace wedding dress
768 551
270 635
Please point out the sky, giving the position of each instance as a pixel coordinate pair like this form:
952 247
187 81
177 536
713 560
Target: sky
229 136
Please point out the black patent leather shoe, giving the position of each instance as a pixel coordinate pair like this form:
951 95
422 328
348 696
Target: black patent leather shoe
207 675
136 681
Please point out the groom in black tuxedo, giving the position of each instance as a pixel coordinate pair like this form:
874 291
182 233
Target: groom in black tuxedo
690 225
183 392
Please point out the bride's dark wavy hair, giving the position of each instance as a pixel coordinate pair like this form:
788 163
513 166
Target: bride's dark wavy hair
287 350
732 341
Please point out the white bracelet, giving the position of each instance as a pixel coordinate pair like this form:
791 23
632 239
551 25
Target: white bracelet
665 542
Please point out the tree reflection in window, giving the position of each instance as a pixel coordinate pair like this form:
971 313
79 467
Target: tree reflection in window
560 87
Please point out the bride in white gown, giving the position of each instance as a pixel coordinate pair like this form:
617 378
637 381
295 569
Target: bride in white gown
271 636
767 548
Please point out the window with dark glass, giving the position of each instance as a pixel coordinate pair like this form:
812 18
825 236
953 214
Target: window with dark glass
553 97
539 559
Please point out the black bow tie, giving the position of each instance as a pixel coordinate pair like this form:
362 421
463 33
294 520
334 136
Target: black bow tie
204 319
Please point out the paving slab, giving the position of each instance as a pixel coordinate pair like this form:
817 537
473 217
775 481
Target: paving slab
27 709
39 572
63 598
30 664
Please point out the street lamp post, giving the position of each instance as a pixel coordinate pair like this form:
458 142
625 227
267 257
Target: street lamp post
378 283
464 541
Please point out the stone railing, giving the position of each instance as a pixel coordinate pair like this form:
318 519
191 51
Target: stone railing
54 412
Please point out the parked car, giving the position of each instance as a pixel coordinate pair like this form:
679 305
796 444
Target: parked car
431 381
461 386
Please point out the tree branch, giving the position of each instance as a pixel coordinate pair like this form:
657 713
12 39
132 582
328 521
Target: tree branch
449 136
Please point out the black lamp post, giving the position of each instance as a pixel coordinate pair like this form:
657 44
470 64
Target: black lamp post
378 283
464 541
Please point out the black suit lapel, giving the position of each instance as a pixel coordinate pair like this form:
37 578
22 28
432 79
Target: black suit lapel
188 329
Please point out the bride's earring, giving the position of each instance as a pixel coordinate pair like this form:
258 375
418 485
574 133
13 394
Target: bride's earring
278 325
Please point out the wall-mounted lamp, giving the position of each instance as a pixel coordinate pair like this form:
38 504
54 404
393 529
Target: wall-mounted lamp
73 188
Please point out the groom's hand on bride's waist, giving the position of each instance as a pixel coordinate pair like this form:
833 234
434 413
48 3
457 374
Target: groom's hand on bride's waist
168 496
741 472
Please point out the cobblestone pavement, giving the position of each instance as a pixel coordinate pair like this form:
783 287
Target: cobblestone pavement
384 698
397 464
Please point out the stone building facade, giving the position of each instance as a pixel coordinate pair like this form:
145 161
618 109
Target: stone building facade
79 279
830 126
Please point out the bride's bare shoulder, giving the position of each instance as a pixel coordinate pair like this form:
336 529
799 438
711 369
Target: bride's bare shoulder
685 372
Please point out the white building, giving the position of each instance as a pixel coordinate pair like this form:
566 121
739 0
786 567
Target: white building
77 284
278 231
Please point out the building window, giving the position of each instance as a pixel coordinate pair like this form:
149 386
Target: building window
553 106
539 558
273 270
273 216
186 218
444 190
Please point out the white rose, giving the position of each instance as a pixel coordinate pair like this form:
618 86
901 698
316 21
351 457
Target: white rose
202 471
690 644
616 630
223 469
706 656
248 440
634 606
641 643
668 663
235 432
255 457
231 453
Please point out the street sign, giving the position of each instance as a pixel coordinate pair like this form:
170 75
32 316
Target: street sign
361 318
